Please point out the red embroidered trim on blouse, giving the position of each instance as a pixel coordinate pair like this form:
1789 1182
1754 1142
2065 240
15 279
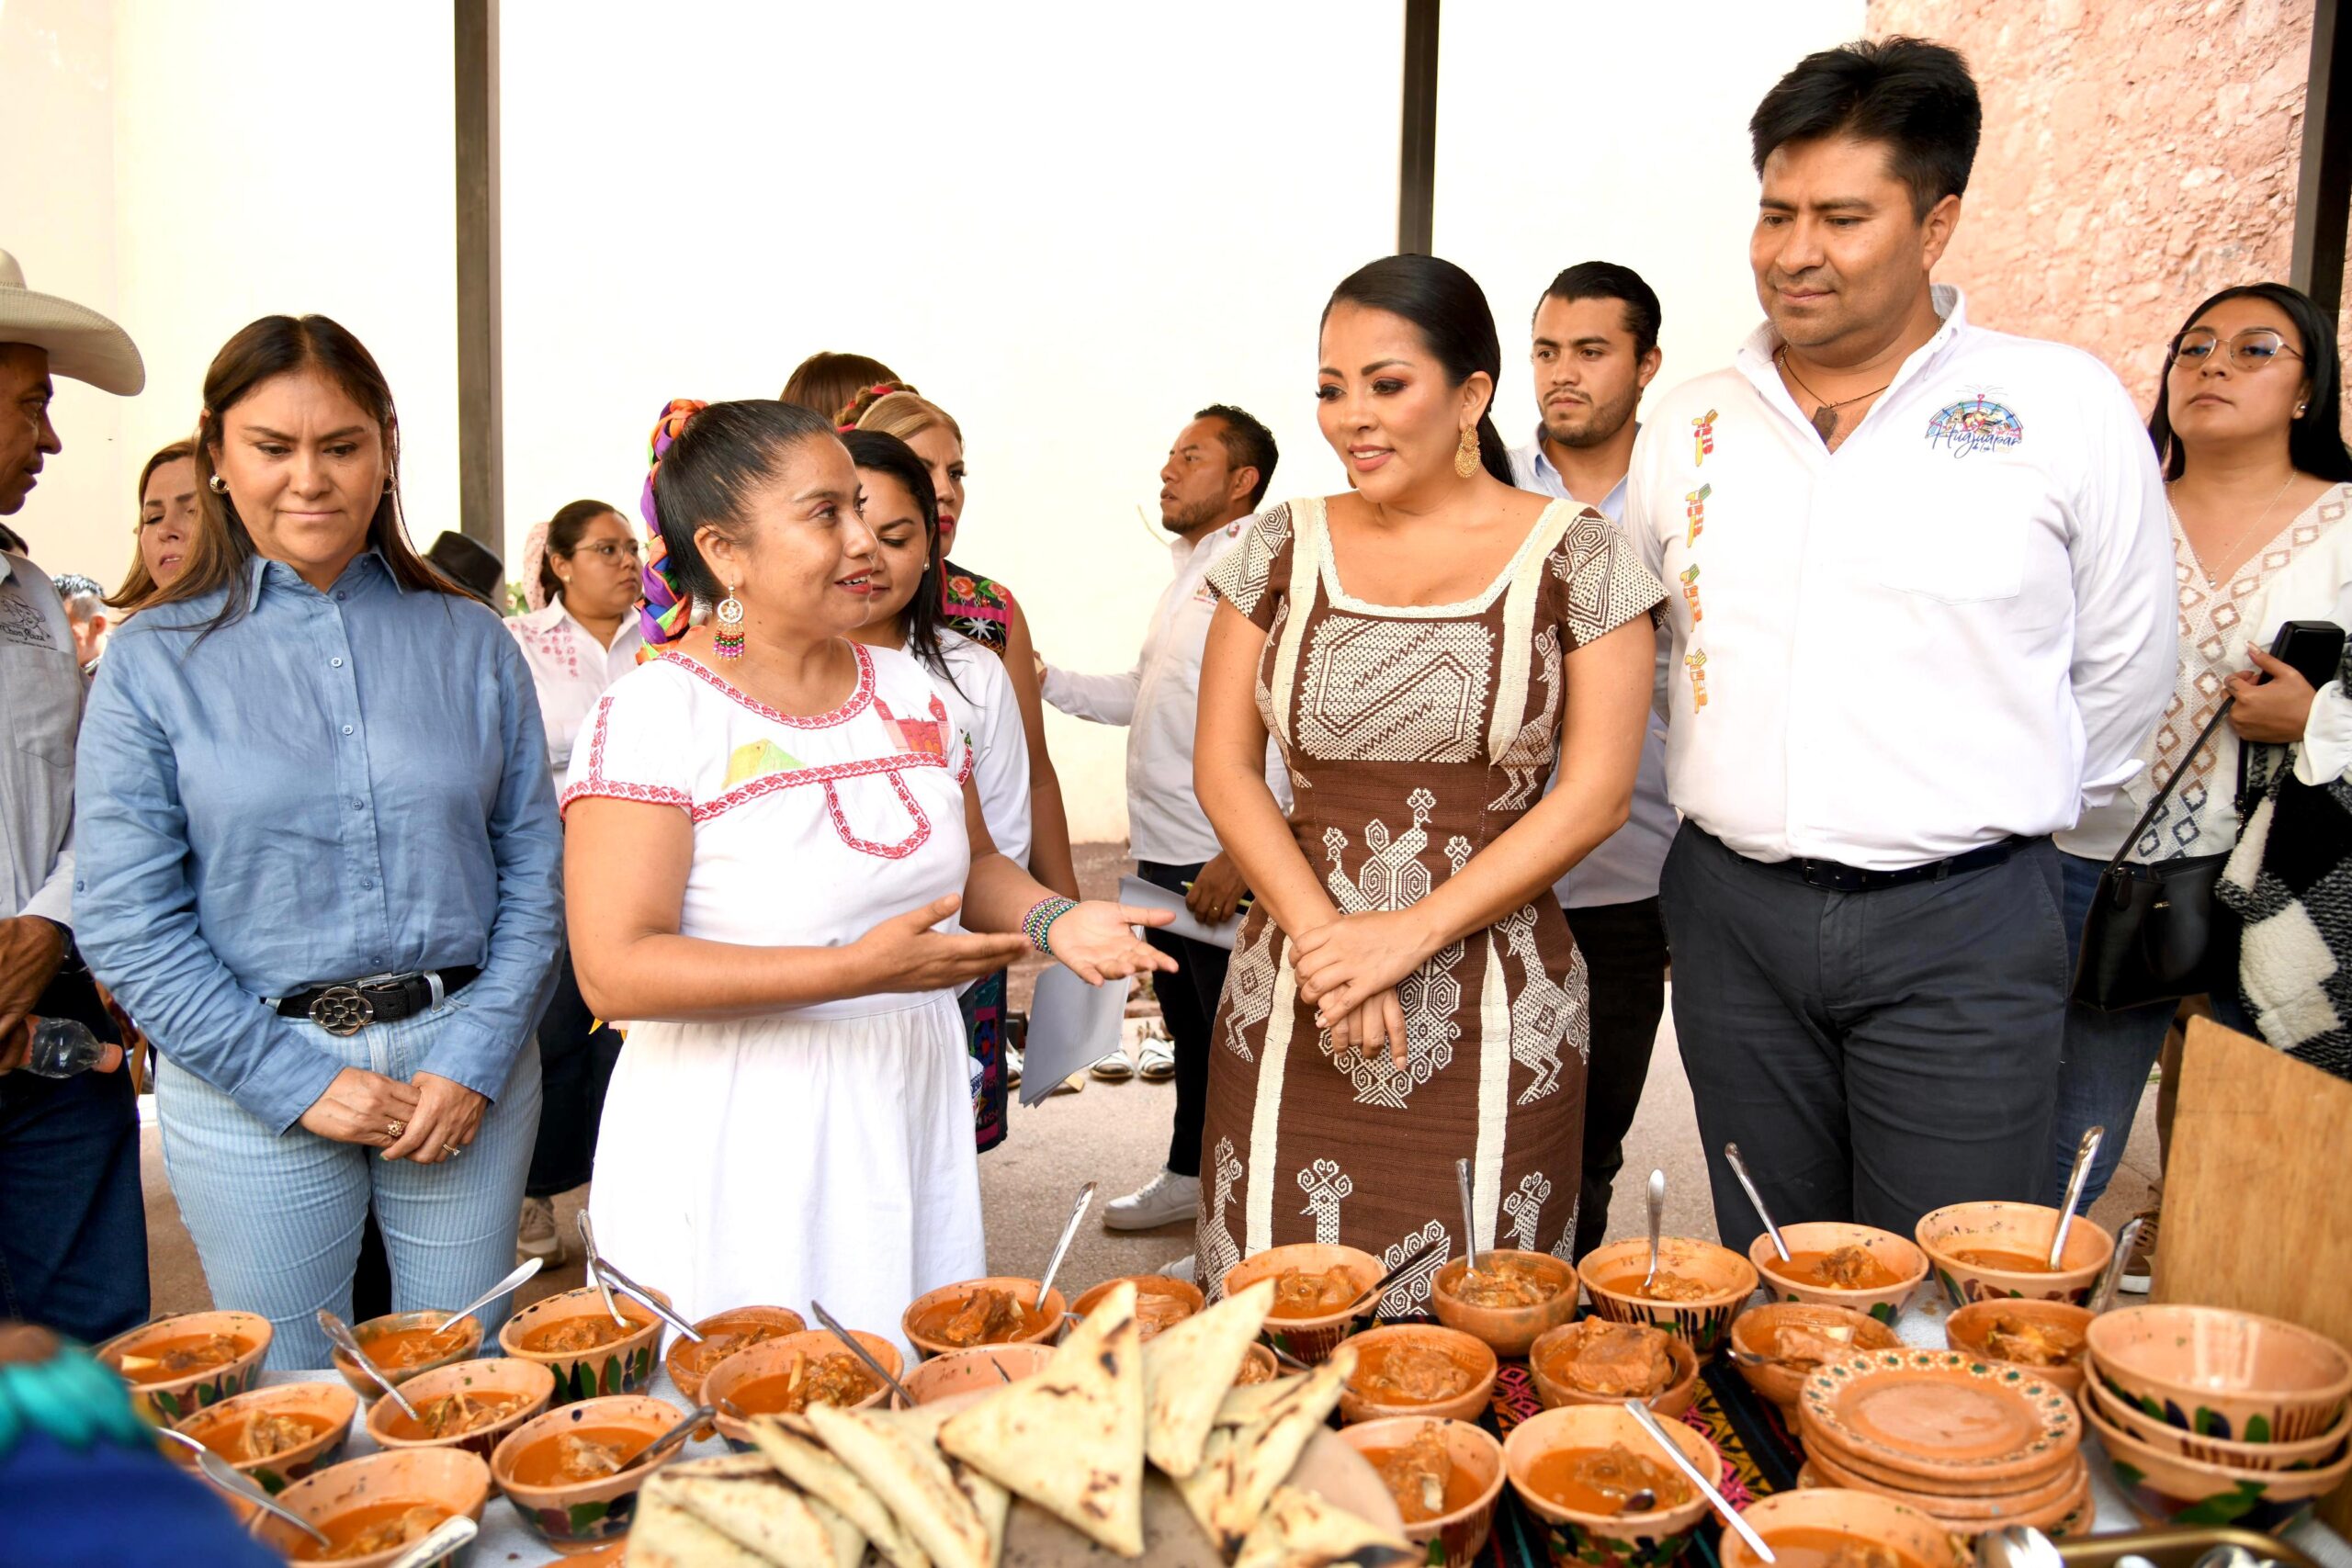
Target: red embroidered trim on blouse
597 783
825 773
858 699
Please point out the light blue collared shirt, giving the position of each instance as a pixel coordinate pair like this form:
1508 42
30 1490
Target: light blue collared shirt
330 786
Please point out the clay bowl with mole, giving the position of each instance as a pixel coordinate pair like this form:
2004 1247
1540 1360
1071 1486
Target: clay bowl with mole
2303 1453
1756 1333
1649 1540
688 1363
1473 1367
1040 1324
1543 1359
326 1408
1967 1328
1259 1366
526 1388
1857 1517
2168 1488
2008 1246
623 1364
1507 1330
403 1344
1613 1277
161 1396
975 1371
572 1515
1179 1292
1903 1267
1311 1337
755 1379
1460 1532
374 1488
2221 1373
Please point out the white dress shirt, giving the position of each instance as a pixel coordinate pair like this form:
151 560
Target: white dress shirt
1621 869
1159 700
1956 627
572 670
41 690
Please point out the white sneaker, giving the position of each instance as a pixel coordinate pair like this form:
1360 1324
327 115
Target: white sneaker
1164 1200
537 1235
1183 1269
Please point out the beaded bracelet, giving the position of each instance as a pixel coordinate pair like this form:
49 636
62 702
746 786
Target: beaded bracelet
1040 919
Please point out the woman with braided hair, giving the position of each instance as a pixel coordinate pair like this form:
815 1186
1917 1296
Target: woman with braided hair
772 835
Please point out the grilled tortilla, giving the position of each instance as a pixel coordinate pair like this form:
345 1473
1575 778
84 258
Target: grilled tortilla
1188 1371
908 1474
808 1466
1301 1530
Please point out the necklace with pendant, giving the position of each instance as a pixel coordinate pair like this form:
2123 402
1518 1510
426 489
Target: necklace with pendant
1825 415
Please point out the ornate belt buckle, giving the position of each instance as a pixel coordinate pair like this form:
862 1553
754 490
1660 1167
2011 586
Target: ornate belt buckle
341 1009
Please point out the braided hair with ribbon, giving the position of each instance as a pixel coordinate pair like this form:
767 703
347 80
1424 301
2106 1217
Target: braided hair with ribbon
666 611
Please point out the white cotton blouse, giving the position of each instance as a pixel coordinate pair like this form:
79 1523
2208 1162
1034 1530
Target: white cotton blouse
571 670
981 699
2304 573
807 831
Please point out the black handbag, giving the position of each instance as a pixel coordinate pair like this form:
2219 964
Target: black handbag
2157 931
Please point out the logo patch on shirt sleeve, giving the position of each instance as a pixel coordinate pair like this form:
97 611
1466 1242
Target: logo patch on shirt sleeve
1974 424
1702 437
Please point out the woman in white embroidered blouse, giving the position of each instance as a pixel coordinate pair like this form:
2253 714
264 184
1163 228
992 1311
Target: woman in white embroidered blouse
766 826
2248 426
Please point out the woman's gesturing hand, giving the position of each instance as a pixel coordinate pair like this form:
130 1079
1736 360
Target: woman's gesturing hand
904 953
448 1116
1093 942
361 1106
1378 1025
1348 963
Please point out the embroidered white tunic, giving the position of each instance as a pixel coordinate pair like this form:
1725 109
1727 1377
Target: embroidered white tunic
571 670
824 1152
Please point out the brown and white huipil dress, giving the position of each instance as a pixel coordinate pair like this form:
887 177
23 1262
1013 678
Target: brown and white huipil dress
1415 737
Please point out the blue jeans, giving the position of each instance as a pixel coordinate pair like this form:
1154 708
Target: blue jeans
72 1224
277 1219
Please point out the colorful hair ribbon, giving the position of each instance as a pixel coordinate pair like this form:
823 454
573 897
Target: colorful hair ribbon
663 613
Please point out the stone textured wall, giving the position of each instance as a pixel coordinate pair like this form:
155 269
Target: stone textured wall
2138 155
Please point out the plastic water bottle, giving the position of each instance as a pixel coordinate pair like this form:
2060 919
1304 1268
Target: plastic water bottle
65 1047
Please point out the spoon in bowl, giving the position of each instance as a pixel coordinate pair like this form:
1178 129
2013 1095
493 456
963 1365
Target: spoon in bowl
437 1542
2112 1280
1413 1255
230 1478
1469 1222
674 1436
2084 1153
1657 1219
832 1326
1061 1247
1673 1451
596 1274
1748 1185
339 1332
523 1271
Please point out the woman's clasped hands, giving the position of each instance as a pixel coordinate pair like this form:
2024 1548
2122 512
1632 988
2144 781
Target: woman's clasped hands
1349 969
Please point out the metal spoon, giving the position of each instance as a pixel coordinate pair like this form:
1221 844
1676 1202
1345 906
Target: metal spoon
1404 1266
638 1293
674 1436
1748 1185
2084 1153
1649 1423
229 1478
528 1266
1287 1359
1061 1247
2112 1280
345 1341
1469 1220
1657 1219
596 1275
834 1325
2018 1546
437 1542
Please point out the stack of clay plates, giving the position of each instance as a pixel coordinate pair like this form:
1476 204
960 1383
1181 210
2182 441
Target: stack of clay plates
1974 1444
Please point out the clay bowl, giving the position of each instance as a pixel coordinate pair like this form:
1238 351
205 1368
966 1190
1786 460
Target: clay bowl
573 1514
1311 1339
329 1408
1626 1541
465 1341
504 1376
1965 1330
2034 1497
1672 1400
624 1366
770 1356
2058 1519
1262 1358
1939 1420
1752 1332
966 1372
167 1400
1880 1521
2011 1227
2221 1373
1507 1331
1023 1291
2163 1487
687 1370
1182 1290
1461 1533
449 1479
2303 1454
1610 1273
1907 1262
1471 1355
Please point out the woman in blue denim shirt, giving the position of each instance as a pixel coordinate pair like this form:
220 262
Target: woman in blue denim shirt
318 860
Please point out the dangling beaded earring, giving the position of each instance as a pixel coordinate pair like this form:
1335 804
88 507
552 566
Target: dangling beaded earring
727 637
1465 452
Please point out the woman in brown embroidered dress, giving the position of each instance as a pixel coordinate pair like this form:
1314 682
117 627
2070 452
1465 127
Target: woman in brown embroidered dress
1406 993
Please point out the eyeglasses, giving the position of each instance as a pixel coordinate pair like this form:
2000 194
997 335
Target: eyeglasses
609 552
2249 350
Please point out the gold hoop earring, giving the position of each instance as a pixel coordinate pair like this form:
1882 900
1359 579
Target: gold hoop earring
1465 452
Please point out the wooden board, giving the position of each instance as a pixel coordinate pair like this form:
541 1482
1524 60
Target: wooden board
2258 1214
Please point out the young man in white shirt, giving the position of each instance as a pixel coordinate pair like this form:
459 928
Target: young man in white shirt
1923 618
1594 352
1215 475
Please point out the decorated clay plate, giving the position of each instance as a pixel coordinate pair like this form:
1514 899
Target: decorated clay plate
1940 1413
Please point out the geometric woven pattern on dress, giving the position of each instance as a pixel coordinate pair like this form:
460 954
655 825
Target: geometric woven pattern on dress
1543 1014
1607 584
1395 690
1249 987
1392 876
1241 576
1431 1000
1325 1185
1411 1293
1220 1252
1528 761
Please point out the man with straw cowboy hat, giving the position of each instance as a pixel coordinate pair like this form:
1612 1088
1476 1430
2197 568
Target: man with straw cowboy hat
73 1226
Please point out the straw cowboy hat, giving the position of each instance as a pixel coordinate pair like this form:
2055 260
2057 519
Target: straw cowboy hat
81 343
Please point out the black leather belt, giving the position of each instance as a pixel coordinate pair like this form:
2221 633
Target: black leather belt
1836 877
351 1006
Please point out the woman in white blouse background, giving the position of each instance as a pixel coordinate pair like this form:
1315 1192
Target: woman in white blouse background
579 636
2248 427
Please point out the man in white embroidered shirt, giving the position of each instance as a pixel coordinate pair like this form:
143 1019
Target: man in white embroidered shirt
1923 618
1217 473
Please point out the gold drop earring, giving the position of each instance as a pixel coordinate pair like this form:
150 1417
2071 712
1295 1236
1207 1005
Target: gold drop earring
1465 452
727 637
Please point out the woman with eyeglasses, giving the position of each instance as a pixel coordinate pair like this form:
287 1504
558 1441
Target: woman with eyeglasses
581 634
2248 425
